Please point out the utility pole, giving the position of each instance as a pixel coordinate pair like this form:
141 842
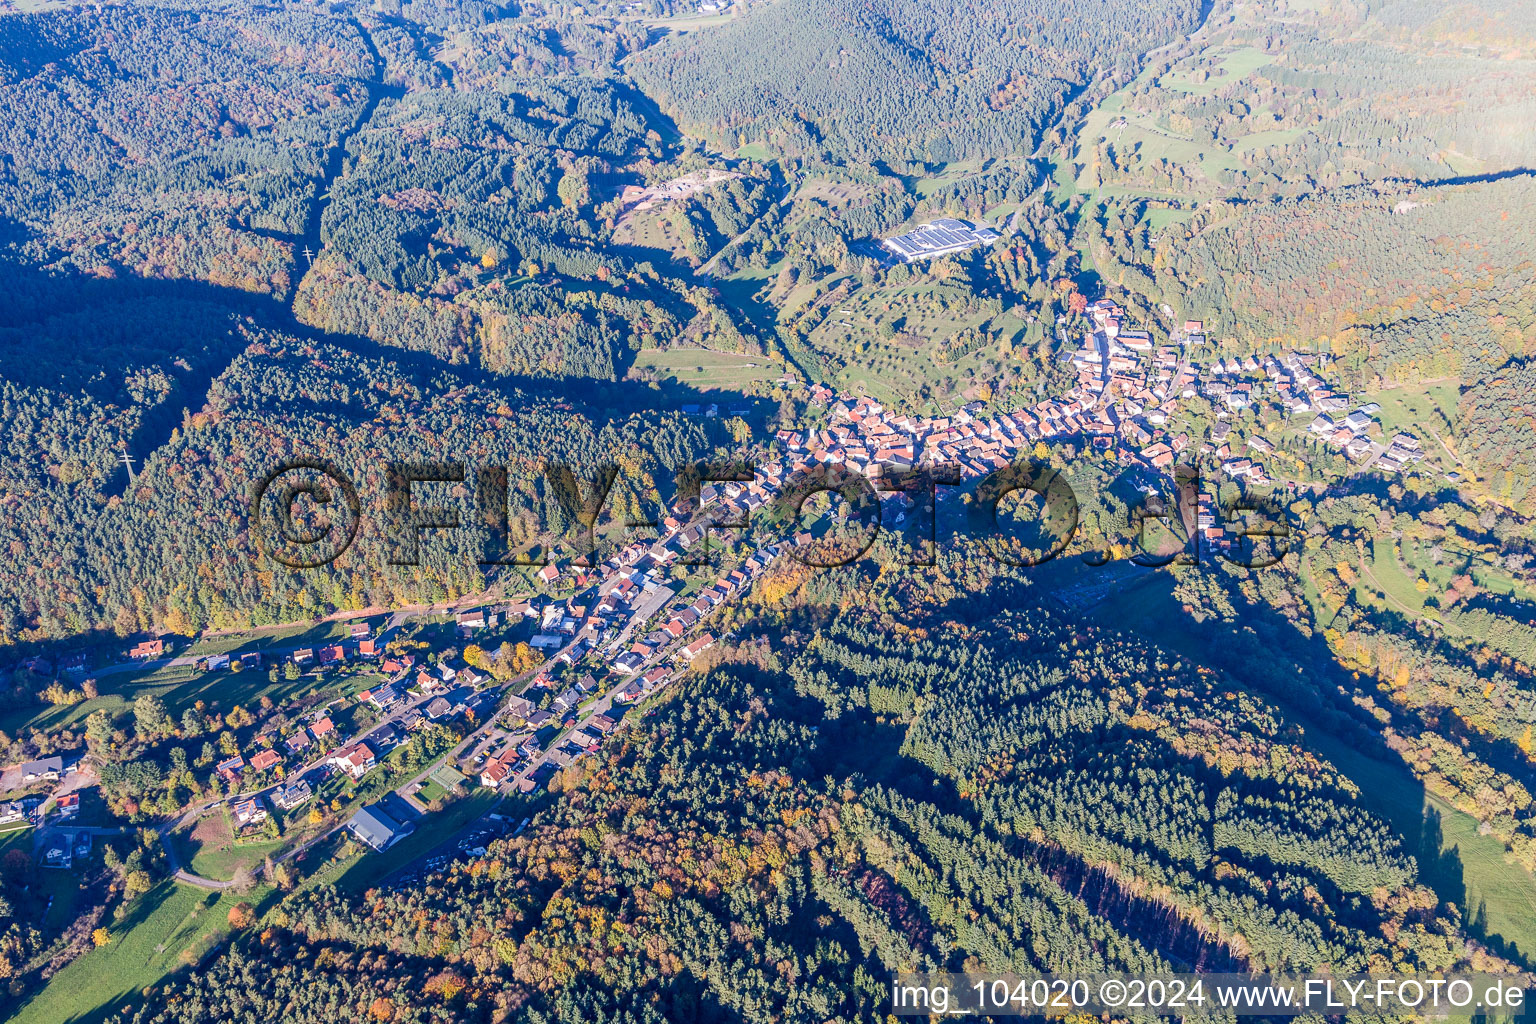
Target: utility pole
309 256
127 461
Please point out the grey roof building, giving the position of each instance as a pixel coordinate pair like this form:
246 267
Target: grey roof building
936 238
375 828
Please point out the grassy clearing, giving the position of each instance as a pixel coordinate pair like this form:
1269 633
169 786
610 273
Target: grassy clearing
702 369
894 341
758 151
1132 131
430 792
302 634
1258 140
1454 859
651 229
1394 579
146 947
948 175
180 686
117 693
211 849
688 23
1417 406
1234 67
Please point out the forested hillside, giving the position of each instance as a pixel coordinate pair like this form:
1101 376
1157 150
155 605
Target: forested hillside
898 83
1007 793
1404 283
1496 428
172 144
174 551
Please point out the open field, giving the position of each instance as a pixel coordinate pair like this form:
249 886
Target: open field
687 23
894 341
266 639
211 849
182 686
1413 407
1232 67
703 369
1130 131
145 947
948 175
1127 130
650 229
831 195
1394 580
758 151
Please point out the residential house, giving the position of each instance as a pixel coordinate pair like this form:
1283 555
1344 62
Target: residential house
51 768
266 759
147 649
357 760
248 812
293 794
382 697
230 767
697 647
495 773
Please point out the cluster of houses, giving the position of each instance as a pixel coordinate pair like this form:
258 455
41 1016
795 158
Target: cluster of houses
1348 433
1127 392
34 808
504 765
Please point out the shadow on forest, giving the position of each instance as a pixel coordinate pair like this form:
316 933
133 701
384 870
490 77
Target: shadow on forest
1266 652
98 337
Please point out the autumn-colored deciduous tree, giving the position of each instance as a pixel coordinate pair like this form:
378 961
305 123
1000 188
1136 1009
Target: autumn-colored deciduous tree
241 915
